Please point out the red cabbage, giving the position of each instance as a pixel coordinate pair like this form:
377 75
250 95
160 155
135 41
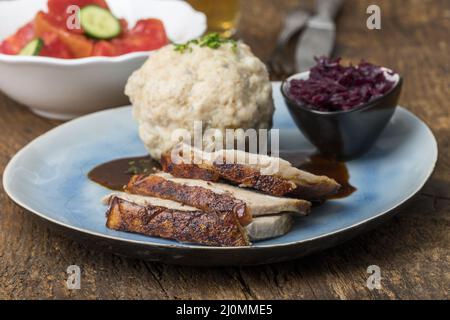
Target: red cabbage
334 87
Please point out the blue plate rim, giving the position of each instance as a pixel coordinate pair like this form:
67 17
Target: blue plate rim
11 163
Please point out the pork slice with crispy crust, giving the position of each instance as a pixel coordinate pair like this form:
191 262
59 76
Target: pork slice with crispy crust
190 171
209 200
257 203
260 228
271 175
190 226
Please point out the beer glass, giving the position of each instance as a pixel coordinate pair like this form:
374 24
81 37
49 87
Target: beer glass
222 15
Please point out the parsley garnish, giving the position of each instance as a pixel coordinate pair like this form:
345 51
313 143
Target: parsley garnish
141 167
211 40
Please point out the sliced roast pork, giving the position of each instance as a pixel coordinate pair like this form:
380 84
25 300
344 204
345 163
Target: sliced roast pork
270 175
175 222
171 220
210 196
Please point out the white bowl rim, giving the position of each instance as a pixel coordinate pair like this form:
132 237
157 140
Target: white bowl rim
78 61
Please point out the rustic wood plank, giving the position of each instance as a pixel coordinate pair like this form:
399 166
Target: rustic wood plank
412 249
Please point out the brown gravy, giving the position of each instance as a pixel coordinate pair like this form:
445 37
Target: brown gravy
116 173
324 166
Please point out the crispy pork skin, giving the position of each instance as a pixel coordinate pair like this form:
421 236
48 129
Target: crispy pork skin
195 196
264 227
190 171
246 176
257 203
146 201
224 164
207 228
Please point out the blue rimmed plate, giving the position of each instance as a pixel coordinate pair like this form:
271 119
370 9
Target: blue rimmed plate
48 178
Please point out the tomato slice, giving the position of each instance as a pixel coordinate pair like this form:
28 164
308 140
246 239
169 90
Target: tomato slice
147 35
13 44
57 11
105 48
78 45
53 47
124 25
150 27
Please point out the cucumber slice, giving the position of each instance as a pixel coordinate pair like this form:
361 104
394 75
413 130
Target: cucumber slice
32 48
99 23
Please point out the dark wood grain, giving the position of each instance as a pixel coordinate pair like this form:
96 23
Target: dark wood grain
412 249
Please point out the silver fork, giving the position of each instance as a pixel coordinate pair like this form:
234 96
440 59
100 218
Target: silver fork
294 21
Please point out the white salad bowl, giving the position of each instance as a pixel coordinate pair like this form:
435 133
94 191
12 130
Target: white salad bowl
67 88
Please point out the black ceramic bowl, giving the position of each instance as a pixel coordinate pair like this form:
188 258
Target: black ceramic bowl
344 134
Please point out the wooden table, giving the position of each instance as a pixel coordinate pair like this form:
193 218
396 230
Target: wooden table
412 249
